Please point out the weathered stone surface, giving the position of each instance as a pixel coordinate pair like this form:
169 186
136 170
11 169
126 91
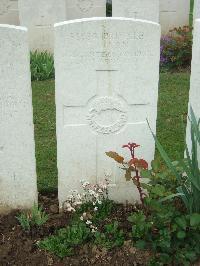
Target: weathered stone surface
196 9
174 13
107 73
194 98
18 187
39 17
138 9
9 12
77 9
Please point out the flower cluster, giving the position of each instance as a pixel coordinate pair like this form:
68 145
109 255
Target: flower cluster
176 48
165 40
94 194
74 200
86 217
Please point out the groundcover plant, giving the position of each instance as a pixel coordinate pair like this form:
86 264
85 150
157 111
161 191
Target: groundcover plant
165 223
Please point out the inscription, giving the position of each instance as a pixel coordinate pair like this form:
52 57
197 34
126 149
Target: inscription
113 57
107 115
4 6
135 35
118 41
85 5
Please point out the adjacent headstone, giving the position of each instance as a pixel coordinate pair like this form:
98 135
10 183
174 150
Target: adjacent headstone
138 9
194 98
39 17
174 13
196 13
107 73
9 12
18 187
77 9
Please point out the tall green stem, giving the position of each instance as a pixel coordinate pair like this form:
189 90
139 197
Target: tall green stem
191 13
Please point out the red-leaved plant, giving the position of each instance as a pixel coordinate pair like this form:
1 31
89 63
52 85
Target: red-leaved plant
134 165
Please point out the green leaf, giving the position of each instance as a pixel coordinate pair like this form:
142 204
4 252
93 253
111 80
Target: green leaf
155 165
172 196
181 234
181 222
145 174
141 244
164 155
195 219
195 124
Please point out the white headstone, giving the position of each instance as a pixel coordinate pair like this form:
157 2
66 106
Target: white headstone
196 13
194 98
39 17
107 73
9 12
138 9
18 187
77 9
174 13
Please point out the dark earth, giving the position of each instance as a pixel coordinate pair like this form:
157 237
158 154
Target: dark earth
19 248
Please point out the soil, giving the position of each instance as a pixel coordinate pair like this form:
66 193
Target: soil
19 248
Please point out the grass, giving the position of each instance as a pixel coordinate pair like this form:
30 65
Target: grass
45 134
172 114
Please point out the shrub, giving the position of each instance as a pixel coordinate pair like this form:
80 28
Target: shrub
176 49
172 236
134 165
42 66
164 226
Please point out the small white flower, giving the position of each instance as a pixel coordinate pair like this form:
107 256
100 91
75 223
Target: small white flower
91 192
68 205
93 229
104 187
71 209
96 209
84 215
81 218
85 184
88 222
96 195
79 196
99 202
